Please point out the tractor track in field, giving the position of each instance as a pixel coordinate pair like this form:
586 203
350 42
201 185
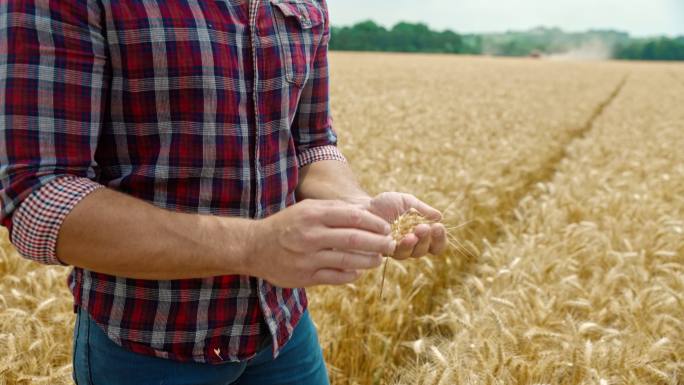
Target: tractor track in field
491 226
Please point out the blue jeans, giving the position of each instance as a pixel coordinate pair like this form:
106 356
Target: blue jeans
99 361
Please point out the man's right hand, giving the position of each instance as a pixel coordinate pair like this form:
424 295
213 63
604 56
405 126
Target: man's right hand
318 242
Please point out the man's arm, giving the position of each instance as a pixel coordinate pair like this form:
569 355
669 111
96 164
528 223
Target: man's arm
307 244
330 179
124 236
324 173
49 129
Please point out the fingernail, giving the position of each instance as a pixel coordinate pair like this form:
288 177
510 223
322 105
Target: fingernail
387 228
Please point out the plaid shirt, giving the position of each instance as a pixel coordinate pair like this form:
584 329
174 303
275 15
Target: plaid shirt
205 107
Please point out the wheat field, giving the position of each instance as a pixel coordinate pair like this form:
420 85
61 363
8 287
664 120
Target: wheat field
562 185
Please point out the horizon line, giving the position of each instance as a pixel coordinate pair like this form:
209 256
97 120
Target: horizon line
598 29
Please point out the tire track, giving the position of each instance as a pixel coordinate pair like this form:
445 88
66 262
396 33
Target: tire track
490 224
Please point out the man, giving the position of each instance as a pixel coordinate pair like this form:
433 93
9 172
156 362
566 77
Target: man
160 148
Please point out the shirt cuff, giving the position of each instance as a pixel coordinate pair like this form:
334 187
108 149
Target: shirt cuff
36 223
316 154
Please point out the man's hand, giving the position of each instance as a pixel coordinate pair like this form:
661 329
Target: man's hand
425 238
318 242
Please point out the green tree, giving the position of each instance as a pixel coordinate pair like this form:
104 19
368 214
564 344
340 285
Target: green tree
403 37
364 36
662 48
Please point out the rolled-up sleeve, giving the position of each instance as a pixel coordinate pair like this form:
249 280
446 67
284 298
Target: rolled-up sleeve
312 128
53 82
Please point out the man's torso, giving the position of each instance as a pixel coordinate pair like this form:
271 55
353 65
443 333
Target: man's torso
200 97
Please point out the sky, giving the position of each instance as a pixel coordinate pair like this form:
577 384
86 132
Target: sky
638 17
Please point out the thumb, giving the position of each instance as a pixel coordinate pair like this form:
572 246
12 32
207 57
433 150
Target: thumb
425 210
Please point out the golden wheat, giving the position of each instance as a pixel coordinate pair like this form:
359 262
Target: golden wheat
569 178
401 227
469 135
587 287
36 321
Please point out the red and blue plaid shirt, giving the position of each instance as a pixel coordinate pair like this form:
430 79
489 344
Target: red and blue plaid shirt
196 106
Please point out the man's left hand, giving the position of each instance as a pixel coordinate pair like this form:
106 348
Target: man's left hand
425 238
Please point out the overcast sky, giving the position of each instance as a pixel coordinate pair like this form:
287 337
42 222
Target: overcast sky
638 17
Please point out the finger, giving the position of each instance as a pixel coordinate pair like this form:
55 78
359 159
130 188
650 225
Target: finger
423 246
348 260
405 247
356 218
439 239
426 210
421 230
334 277
357 240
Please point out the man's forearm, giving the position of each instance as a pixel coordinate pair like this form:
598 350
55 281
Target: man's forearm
329 179
116 234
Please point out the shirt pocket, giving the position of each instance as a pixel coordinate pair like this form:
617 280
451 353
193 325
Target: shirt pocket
299 27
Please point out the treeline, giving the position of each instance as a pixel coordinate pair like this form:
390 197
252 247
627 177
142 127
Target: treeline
403 37
652 49
418 37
